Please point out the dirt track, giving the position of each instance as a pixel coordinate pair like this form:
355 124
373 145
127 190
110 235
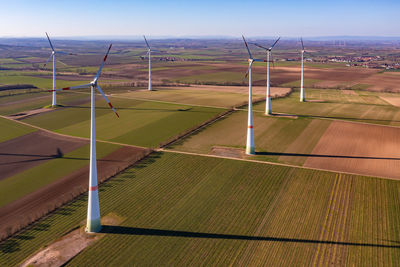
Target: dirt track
358 148
27 151
33 206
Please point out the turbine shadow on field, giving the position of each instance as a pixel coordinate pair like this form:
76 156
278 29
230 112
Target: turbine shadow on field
320 156
123 230
43 157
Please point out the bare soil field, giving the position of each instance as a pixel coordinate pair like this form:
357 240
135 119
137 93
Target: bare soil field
395 101
348 92
227 152
33 206
32 149
358 148
257 90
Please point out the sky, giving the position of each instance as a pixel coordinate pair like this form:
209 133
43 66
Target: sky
290 18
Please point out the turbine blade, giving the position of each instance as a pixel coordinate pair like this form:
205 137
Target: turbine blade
146 42
72 87
48 38
275 43
248 50
102 64
302 44
47 61
260 46
108 101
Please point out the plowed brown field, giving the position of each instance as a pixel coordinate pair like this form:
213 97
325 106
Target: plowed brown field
27 151
31 207
358 148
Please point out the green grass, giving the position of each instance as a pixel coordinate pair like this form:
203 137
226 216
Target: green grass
24 102
141 123
307 82
21 184
337 105
36 81
191 210
10 130
273 136
191 97
219 77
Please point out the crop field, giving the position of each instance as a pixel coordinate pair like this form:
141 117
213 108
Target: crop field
358 148
180 210
202 95
19 103
337 104
10 130
187 95
141 123
25 182
275 138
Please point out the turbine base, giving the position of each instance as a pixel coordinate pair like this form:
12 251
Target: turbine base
250 151
93 226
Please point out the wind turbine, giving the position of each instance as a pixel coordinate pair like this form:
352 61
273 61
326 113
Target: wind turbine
250 150
93 224
52 55
149 54
268 94
302 95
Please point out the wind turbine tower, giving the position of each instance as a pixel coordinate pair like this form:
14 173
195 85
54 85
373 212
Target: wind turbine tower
250 149
302 96
149 54
52 56
268 93
93 224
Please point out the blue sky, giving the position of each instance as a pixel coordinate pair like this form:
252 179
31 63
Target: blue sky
199 18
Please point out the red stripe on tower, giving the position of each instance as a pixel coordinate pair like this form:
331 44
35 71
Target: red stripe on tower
66 88
111 106
93 188
250 126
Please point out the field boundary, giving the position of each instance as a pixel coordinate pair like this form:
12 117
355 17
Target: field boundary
270 163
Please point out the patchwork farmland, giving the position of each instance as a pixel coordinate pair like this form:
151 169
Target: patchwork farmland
176 186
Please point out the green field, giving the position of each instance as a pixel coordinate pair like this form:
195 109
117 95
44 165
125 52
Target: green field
24 102
219 77
191 96
334 104
141 123
36 81
193 210
21 184
273 136
10 130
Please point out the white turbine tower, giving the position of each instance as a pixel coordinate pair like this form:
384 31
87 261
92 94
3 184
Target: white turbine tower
149 54
302 94
268 93
52 55
250 149
93 214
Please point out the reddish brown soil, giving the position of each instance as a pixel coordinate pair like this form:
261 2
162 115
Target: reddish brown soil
27 151
358 148
395 101
33 206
